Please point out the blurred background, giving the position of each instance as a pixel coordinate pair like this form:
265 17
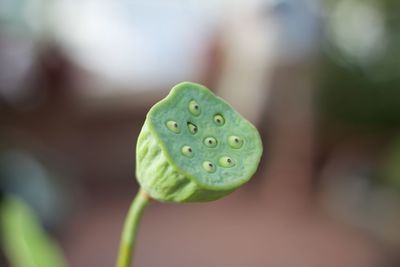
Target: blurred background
320 79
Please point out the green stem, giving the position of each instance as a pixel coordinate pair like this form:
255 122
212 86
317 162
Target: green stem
130 228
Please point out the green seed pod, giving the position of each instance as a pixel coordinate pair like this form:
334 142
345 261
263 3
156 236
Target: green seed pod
181 165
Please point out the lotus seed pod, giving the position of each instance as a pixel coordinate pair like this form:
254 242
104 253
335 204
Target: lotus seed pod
195 147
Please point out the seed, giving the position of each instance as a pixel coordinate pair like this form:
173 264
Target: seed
208 166
226 162
173 126
210 142
235 141
192 128
187 151
194 108
219 120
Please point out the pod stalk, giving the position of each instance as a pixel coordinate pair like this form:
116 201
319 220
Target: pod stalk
130 229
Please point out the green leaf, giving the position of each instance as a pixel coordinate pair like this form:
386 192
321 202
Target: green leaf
25 242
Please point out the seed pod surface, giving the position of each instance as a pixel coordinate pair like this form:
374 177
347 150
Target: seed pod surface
186 151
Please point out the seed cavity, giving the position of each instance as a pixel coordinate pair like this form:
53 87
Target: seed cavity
173 126
208 166
187 151
210 141
235 141
226 162
192 128
194 108
219 120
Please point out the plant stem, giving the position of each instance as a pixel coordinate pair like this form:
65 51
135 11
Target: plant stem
129 232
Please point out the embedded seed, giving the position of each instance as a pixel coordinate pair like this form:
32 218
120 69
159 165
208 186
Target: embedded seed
208 166
173 126
235 141
194 108
219 120
187 151
192 128
210 141
226 162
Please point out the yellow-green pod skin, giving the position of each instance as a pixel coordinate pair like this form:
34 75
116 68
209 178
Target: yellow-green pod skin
169 175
